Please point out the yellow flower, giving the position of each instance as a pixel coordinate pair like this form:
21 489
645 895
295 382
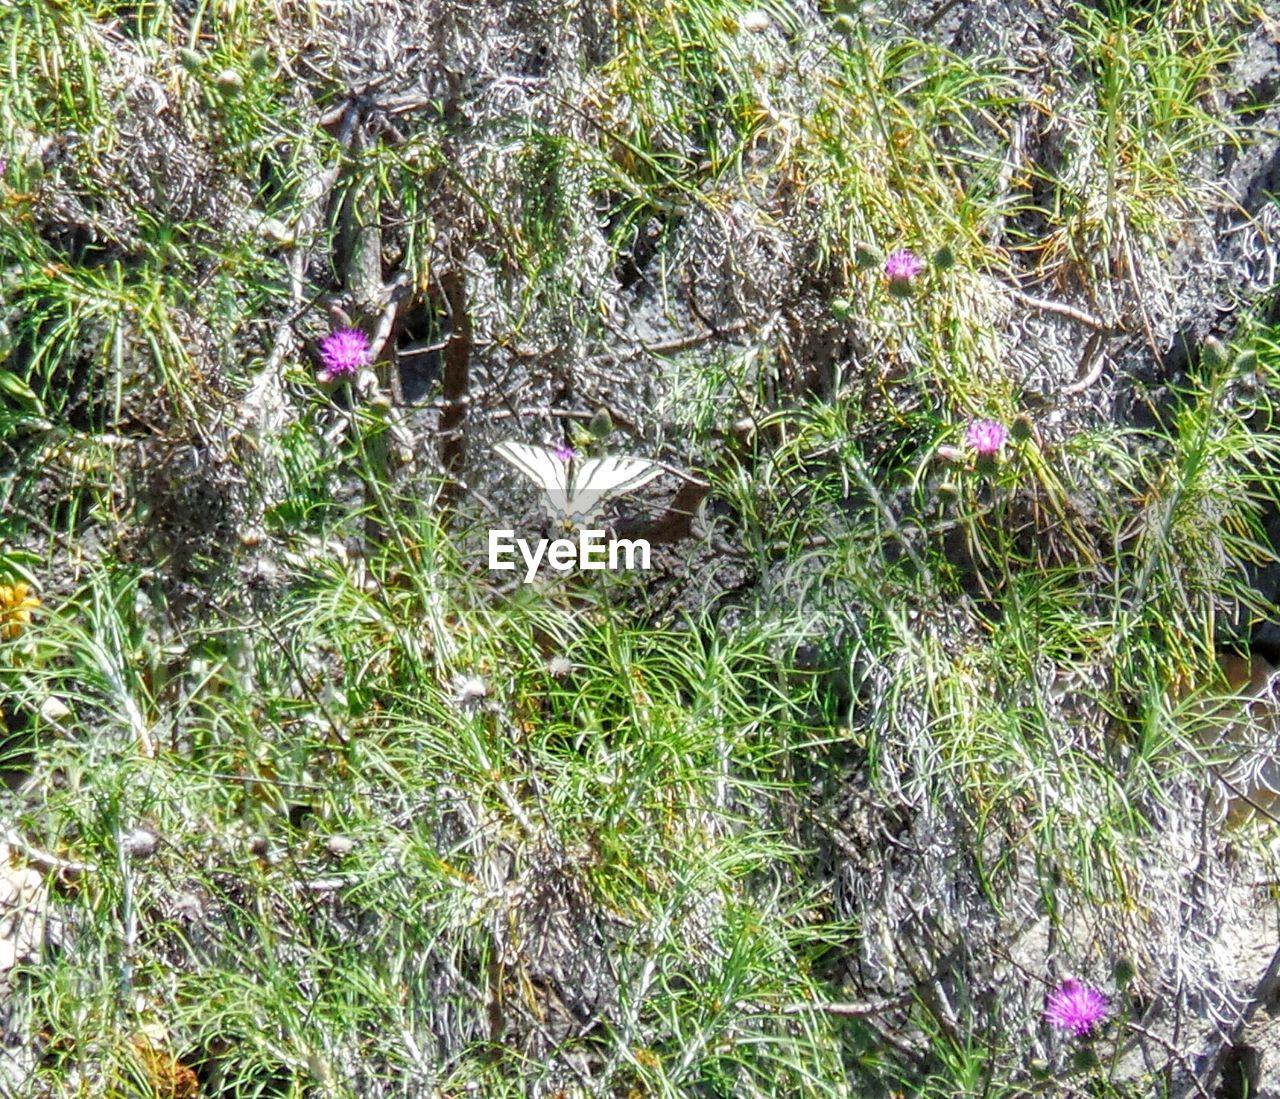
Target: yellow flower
16 605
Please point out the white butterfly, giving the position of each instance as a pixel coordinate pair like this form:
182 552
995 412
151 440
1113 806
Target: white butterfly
576 489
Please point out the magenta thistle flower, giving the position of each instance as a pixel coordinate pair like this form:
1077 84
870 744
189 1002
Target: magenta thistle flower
343 353
1075 1007
903 265
986 437
564 453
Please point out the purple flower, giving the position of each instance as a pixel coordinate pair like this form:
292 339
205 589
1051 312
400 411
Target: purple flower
343 353
986 437
1075 1007
903 265
564 453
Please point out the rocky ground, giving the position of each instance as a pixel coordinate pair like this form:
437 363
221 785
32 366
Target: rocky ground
1088 327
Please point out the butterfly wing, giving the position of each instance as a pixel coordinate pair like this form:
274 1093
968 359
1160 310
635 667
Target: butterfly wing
598 479
543 468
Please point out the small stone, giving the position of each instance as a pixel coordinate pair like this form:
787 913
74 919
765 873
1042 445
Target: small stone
141 843
276 230
188 906
339 847
53 709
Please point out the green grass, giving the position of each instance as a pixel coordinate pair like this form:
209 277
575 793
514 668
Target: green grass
415 833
